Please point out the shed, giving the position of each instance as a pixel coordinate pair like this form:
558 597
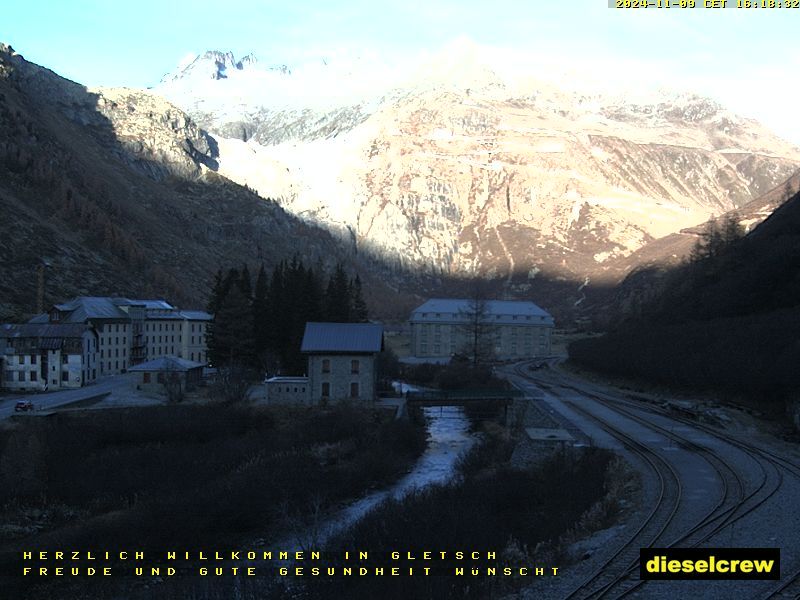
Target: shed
157 373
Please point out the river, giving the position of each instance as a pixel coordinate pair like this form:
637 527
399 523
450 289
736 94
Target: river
448 438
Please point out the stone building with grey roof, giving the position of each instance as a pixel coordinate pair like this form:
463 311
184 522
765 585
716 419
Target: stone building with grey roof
516 329
341 360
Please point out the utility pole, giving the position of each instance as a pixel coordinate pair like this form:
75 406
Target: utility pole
40 272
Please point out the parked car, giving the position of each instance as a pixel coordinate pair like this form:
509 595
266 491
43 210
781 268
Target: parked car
23 406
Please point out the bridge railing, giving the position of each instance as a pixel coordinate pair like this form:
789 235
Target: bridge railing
467 395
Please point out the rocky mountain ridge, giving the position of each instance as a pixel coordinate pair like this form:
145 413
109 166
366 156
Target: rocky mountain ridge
462 171
116 190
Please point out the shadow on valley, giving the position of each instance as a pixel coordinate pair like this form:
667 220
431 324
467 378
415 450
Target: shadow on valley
115 190
724 322
119 191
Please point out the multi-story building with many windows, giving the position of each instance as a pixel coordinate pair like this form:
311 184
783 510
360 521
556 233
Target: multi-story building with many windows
440 328
36 357
132 331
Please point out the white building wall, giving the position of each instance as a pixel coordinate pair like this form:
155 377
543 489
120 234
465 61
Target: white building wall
22 373
114 347
194 334
288 390
164 337
442 340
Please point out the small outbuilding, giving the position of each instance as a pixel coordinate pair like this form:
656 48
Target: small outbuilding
288 390
156 375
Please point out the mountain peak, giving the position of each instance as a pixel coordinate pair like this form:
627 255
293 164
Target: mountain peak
212 64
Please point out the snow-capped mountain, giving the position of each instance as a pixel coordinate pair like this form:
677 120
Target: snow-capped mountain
458 165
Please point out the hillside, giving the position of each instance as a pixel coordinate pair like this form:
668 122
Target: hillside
116 190
645 275
727 323
457 169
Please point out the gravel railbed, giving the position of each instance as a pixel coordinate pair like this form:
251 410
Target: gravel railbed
770 525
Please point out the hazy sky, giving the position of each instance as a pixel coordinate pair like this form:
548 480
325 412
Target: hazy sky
747 59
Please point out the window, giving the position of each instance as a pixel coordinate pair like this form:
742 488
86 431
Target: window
9 375
64 359
65 376
354 390
33 359
326 389
437 348
33 376
146 377
354 367
326 366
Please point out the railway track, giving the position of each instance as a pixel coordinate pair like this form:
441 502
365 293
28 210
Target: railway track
618 577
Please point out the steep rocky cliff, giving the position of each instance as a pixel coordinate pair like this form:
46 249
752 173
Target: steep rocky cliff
459 171
115 190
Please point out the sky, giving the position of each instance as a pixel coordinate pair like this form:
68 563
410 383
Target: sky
748 59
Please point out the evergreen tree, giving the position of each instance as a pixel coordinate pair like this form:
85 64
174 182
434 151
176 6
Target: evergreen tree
231 279
358 312
337 297
261 312
217 292
246 283
233 330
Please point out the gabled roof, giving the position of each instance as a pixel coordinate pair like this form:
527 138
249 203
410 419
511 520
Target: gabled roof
342 337
49 336
196 315
167 363
501 311
150 304
83 308
86 308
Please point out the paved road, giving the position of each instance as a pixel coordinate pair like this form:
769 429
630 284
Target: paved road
48 400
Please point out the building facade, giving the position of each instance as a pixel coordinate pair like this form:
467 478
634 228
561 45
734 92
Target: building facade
288 390
38 357
341 360
134 331
156 375
513 330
